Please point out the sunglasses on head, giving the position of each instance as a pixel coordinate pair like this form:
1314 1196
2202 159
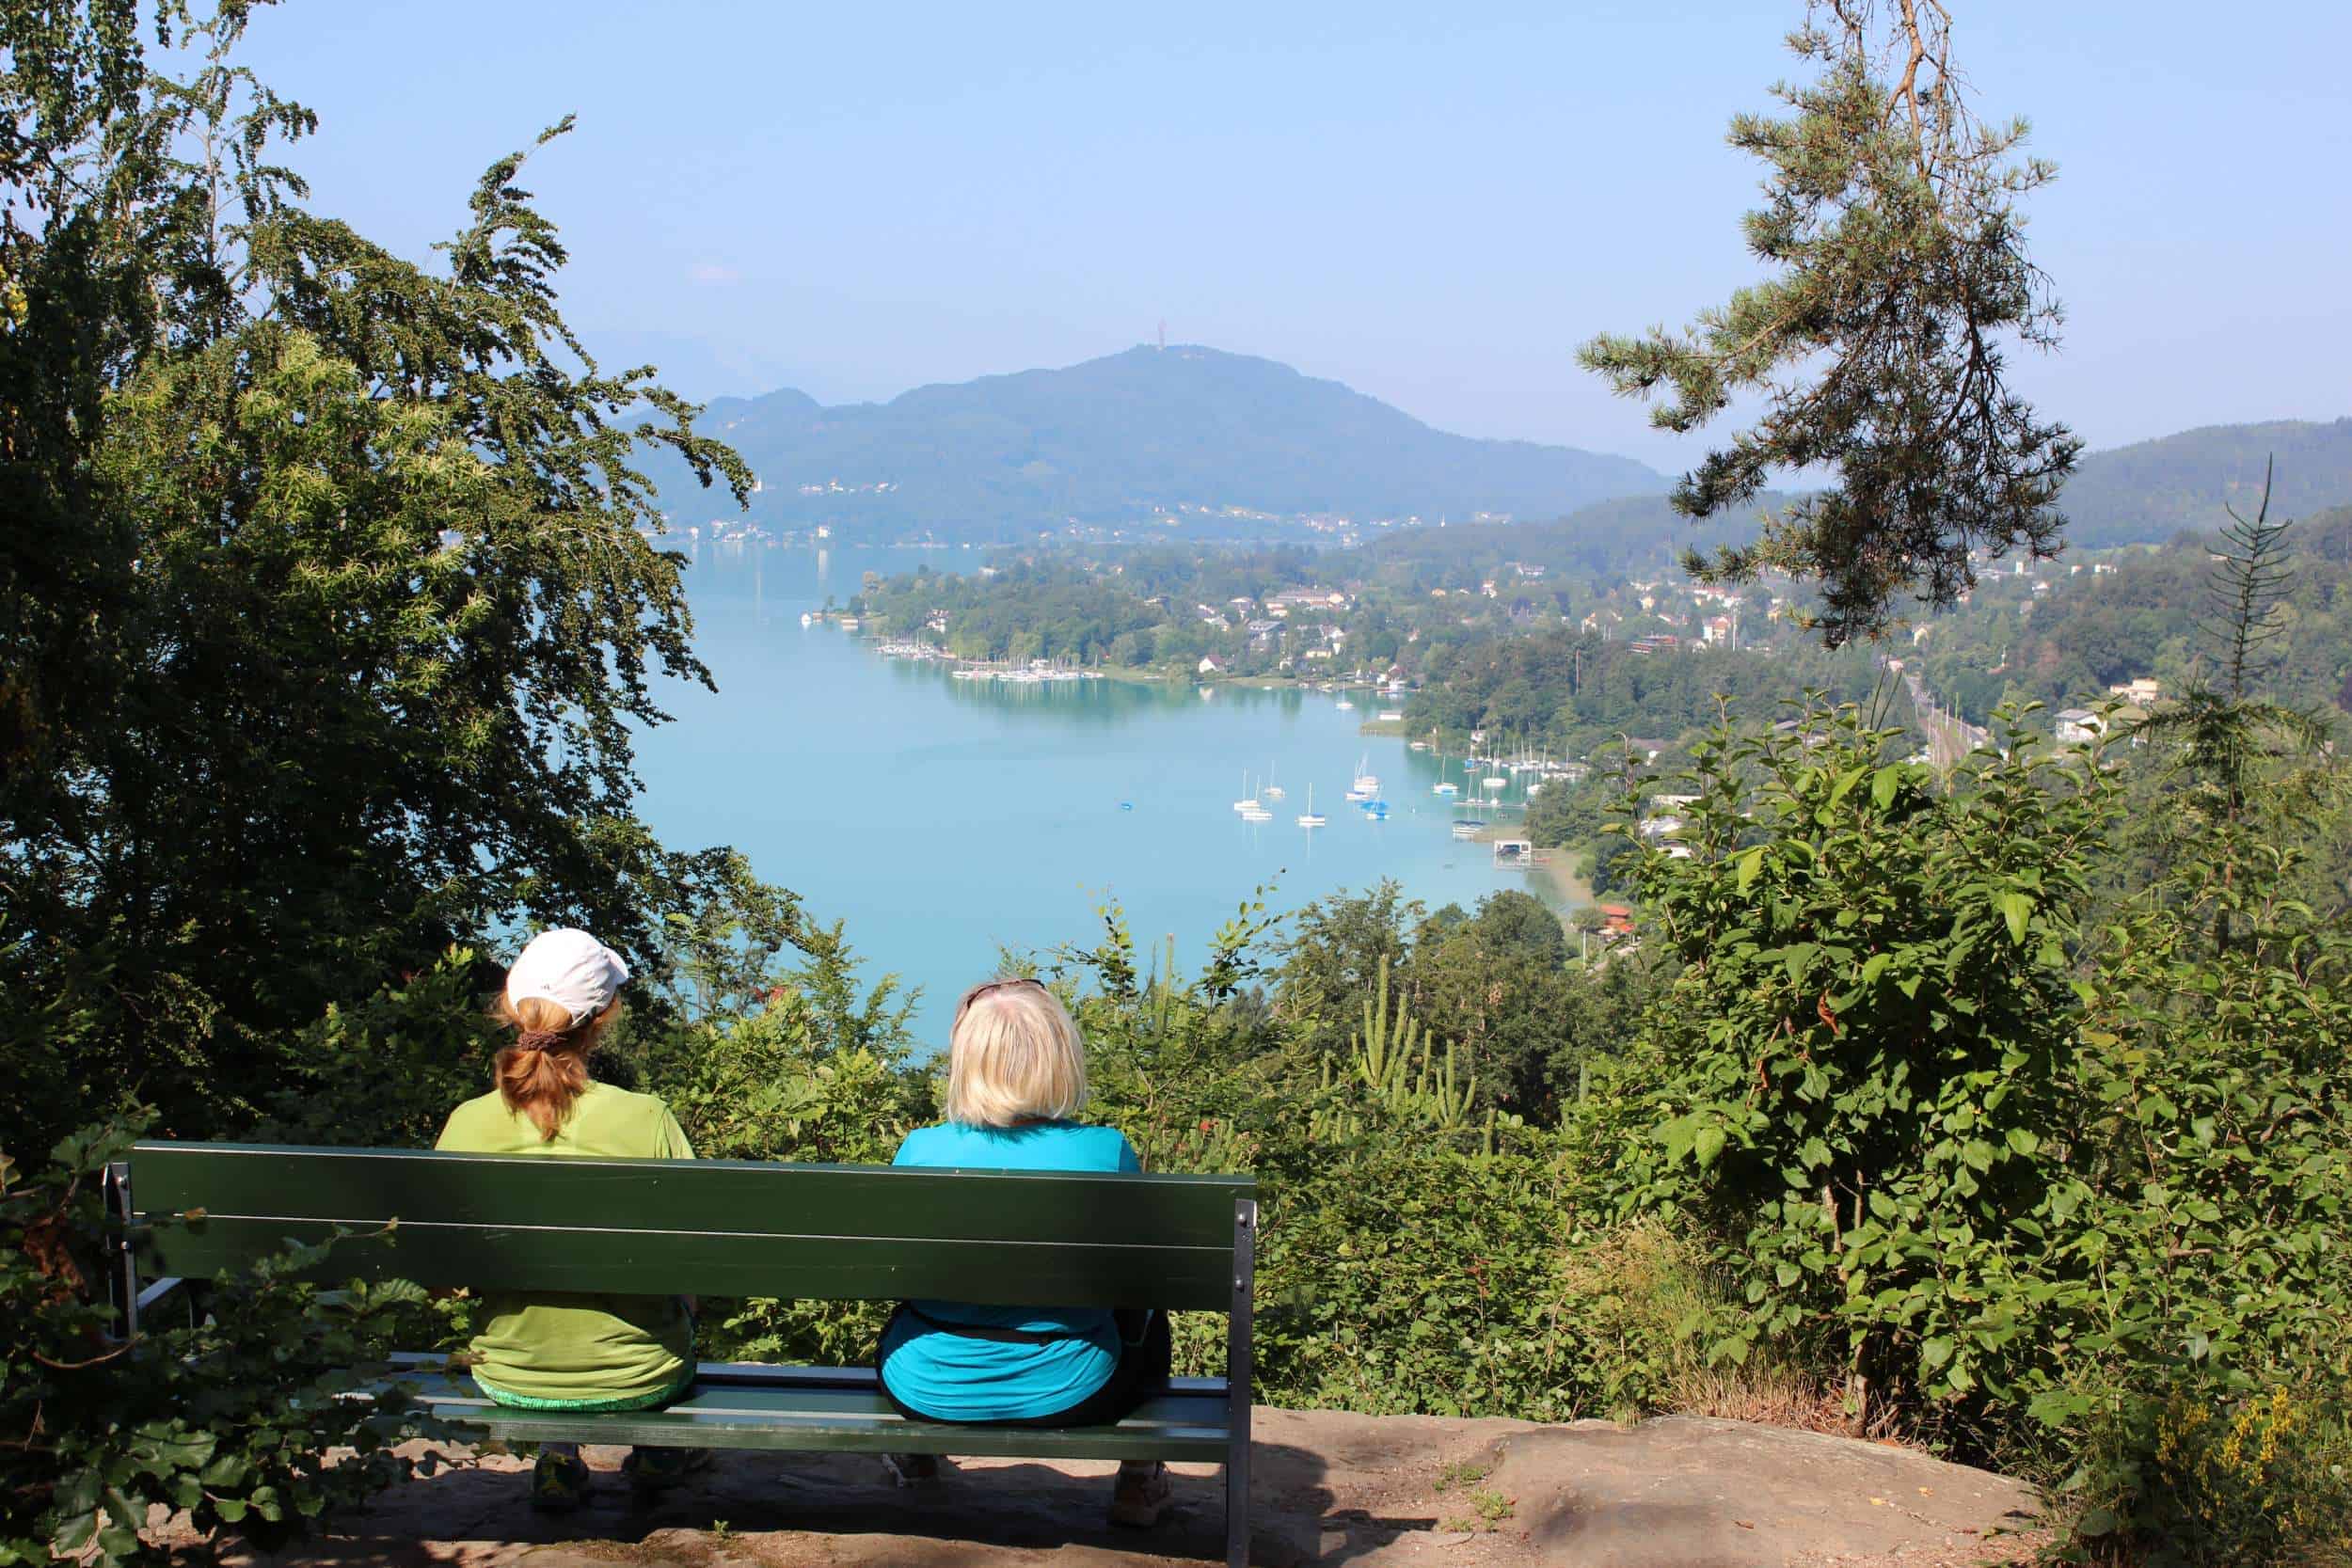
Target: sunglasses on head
984 987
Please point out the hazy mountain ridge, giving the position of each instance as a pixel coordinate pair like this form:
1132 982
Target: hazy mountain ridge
2144 494
1115 439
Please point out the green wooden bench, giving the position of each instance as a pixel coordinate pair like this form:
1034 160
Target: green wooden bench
718 1227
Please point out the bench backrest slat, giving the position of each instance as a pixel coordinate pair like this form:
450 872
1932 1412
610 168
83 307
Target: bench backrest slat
703 1227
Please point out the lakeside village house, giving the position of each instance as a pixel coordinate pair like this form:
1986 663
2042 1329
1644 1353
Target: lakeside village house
1280 605
2080 727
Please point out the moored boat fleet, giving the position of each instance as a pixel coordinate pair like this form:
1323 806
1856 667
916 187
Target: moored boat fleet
1488 771
1038 672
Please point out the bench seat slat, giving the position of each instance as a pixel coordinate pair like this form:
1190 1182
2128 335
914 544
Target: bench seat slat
737 1408
420 1365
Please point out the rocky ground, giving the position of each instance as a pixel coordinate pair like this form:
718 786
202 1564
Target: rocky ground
1331 1489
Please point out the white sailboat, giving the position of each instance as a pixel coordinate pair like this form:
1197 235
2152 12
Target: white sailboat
1247 803
1308 818
1272 791
1366 779
1253 812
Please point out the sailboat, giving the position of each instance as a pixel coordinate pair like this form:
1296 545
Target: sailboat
1253 812
1308 818
1247 803
1272 791
1365 780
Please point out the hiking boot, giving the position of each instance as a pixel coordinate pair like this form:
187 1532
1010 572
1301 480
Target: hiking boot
1144 1495
651 1469
912 1470
559 1482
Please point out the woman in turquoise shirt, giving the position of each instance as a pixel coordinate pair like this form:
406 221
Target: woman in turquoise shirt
1016 1079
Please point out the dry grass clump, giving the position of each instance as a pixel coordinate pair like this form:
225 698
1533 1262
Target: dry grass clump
1647 1290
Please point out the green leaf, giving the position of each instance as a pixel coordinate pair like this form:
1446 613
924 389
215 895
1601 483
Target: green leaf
1746 866
1884 784
227 1470
1935 1352
1708 1145
2017 908
1676 1136
73 1532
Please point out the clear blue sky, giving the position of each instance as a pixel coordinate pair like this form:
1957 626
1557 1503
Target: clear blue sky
1432 203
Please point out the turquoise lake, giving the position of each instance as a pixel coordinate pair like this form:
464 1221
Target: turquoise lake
946 820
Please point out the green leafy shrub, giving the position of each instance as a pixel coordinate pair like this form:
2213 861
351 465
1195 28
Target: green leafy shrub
1859 1075
2019 1176
256 1419
386 1072
1396 1280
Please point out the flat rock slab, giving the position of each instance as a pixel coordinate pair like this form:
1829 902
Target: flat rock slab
1331 1489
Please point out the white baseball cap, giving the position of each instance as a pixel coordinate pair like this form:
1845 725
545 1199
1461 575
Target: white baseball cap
569 968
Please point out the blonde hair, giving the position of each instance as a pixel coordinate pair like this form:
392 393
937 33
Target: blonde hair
545 1067
1014 1056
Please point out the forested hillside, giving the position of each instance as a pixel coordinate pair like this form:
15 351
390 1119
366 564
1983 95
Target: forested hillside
2147 493
1568 692
1628 535
2140 619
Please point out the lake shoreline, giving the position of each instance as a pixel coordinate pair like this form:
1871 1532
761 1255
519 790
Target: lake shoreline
865 783
1567 892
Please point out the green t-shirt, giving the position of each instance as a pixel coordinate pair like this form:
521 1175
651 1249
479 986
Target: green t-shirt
569 1351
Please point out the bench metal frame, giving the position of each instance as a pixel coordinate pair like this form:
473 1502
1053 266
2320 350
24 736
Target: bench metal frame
731 1405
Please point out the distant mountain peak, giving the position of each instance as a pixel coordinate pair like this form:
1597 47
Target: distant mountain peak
1125 438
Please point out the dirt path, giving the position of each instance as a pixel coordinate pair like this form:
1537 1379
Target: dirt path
1332 1489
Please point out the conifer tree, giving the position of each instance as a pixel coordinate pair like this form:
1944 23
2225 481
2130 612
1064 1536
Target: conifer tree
2238 753
1877 346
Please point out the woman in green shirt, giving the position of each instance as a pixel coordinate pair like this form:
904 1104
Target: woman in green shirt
570 1352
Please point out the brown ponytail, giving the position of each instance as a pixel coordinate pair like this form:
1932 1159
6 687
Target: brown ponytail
545 1070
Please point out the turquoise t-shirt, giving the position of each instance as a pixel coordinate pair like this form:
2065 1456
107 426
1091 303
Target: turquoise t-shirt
950 1377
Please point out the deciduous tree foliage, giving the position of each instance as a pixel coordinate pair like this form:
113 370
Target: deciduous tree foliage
1877 343
328 600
